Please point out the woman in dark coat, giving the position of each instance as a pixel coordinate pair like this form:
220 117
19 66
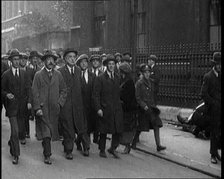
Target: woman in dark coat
129 106
149 113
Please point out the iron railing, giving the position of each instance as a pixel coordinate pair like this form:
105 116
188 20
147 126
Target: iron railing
182 68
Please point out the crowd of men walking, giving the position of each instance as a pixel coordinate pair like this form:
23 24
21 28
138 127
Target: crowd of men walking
72 96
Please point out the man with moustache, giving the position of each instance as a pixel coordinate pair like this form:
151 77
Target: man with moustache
15 90
49 95
106 97
72 115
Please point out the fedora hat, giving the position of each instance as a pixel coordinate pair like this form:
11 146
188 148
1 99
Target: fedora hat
68 50
49 53
81 57
216 58
14 53
35 53
110 57
5 57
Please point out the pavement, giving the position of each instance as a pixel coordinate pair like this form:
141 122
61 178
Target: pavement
182 147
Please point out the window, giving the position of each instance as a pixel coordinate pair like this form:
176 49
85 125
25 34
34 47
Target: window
215 21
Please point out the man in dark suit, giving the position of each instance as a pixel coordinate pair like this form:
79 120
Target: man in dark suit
95 61
106 96
72 116
211 94
87 79
29 73
15 89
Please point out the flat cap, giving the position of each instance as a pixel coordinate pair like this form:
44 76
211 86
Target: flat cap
81 57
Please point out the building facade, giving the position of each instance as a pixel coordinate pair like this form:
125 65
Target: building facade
110 24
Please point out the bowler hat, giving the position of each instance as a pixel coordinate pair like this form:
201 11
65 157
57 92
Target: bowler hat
125 67
68 50
110 57
94 57
153 57
81 57
35 53
49 53
14 53
145 68
216 57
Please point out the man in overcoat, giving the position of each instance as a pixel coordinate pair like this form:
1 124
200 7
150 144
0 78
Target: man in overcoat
106 96
15 90
72 115
87 79
211 94
49 95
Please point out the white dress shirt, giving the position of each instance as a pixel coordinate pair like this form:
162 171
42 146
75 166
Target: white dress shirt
14 71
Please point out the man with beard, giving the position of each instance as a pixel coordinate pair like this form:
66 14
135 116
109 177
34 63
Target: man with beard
106 97
15 90
72 115
211 94
49 95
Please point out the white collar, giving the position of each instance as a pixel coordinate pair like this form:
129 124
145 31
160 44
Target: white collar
14 70
48 70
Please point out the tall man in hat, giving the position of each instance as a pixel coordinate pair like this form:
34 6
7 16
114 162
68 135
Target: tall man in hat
29 74
87 80
106 96
15 89
72 115
211 94
95 61
49 95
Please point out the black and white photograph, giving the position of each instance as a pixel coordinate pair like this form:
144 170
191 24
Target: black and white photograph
111 89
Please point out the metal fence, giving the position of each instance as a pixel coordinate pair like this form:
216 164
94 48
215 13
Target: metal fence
182 68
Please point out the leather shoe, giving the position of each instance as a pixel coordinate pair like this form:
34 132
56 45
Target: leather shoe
23 142
159 148
86 153
114 153
213 160
15 160
69 156
103 154
47 160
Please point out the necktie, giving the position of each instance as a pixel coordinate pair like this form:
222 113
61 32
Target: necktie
50 74
72 71
112 75
17 73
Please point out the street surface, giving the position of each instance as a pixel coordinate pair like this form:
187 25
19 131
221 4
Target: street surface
134 165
